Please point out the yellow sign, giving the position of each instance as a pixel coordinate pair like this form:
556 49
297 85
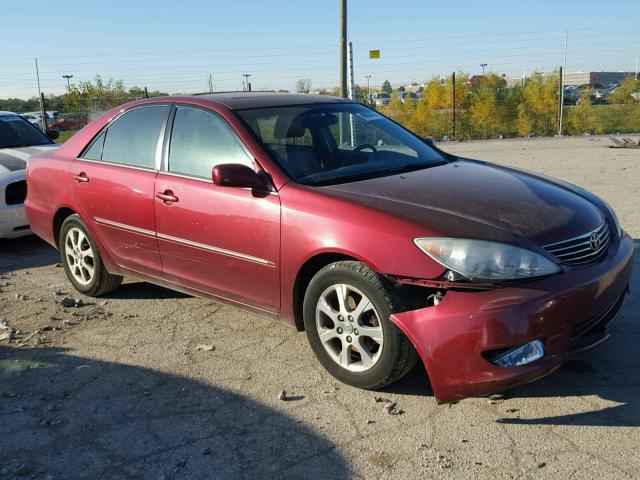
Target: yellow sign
374 53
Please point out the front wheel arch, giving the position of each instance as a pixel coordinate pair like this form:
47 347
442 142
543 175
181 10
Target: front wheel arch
312 266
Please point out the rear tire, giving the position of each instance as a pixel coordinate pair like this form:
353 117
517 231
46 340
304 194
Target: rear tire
353 338
81 260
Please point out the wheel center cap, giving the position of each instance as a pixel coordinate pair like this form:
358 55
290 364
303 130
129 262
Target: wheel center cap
348 328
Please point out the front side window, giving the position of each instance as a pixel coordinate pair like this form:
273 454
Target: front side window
133 138
15 132
326 144
200 140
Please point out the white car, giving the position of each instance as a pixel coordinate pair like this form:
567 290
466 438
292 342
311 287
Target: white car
19 139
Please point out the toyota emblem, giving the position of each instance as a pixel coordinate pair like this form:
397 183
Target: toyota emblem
594 241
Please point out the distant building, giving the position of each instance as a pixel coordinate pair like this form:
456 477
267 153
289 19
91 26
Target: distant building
582 78
604 78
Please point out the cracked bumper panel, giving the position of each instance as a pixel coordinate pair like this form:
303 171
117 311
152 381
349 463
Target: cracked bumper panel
452 336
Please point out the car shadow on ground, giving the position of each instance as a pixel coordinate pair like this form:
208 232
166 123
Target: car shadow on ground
70 417
139 290
25 253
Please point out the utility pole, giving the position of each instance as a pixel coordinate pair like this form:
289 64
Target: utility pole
562 74
247 83
483 65
68 77
453 105
210 84
368 77
43 114
343 48
561 97
352 89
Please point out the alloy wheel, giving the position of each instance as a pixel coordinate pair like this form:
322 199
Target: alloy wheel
349 327
79 255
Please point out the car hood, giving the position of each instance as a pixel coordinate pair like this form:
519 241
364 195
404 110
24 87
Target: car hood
15 159
473 199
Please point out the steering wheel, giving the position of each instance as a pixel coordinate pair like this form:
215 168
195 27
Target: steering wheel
359 148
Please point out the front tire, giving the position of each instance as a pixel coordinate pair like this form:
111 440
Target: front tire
346 315
81 260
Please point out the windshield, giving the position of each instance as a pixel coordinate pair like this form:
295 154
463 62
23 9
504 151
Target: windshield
15 131
326 144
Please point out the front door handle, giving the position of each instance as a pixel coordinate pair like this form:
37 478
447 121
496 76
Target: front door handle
167 197
81 178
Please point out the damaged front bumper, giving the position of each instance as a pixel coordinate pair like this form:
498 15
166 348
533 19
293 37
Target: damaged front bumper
460 338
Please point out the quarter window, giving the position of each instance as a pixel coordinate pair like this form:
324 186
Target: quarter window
133 138
94 152
200 140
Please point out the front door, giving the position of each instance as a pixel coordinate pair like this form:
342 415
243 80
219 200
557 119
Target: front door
221 240
113 183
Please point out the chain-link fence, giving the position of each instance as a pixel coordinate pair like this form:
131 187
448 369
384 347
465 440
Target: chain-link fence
456 107
464 107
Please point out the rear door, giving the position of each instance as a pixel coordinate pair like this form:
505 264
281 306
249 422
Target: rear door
221 240
113 183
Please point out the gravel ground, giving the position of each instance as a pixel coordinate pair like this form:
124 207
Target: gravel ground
149 383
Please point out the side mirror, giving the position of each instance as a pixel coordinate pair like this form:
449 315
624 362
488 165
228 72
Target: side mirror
241 176
430 141
53 134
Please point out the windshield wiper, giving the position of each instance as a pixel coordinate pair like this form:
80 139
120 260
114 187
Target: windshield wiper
374 174
406 168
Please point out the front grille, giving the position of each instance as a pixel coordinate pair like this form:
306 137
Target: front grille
16 193
584 249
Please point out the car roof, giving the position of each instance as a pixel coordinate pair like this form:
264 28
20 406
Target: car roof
243 100
6 114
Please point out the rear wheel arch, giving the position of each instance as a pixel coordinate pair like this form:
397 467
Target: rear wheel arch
58 219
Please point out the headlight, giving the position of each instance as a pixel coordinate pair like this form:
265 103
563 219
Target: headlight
616 222
483 260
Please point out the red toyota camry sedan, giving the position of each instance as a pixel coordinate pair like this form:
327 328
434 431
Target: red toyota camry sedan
327 215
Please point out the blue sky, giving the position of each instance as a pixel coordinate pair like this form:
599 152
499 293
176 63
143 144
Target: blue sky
174 45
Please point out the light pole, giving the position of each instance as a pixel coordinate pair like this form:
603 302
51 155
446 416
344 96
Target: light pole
368 77
483 65
68 77
344 92
247 84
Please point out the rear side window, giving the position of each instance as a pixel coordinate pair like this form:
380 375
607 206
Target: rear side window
133 138
200 140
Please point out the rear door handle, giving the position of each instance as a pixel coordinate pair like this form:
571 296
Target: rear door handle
167 196
81 178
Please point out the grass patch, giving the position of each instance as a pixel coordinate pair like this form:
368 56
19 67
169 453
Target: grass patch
65 135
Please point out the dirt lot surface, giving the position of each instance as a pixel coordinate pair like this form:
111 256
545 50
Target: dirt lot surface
151 384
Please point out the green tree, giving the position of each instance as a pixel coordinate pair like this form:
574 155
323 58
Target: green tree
537 114
622 94
583 117
89 98
303 85
386 87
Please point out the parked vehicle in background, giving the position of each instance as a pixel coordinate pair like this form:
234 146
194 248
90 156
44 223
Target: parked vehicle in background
69 122
595 91
381 98
408 97
18 140
326 214
35 118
